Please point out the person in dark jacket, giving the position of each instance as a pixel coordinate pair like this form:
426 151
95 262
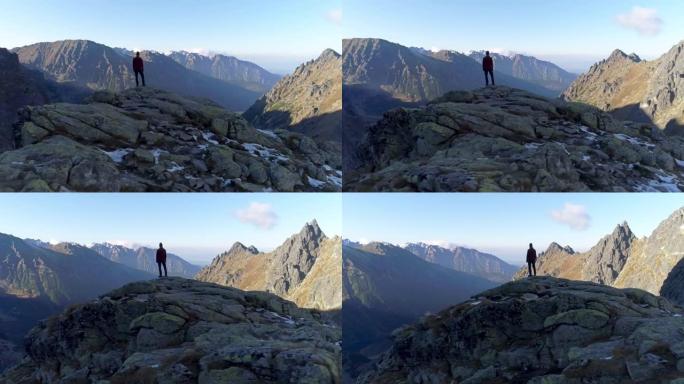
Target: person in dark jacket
531 261
488 68
139 68
161 259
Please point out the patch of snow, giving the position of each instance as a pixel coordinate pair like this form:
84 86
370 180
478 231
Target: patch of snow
269 133
315 182
284 319
586 158
203 146
208 136
633 140
258 150
663 183
532 145
339 173
591 136
175 167
680 163
17 163
156 153
476 302
337 181
327 168
118 155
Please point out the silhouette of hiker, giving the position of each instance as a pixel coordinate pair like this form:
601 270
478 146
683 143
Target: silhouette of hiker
139 68
488 68
161 259
531 261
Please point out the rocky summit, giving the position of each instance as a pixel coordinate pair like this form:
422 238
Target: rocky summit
542 330
505 139
635 89
145 139
306 269
180 331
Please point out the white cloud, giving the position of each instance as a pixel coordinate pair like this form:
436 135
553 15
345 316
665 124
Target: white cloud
259 214
573 215
363 241
335 16
644 20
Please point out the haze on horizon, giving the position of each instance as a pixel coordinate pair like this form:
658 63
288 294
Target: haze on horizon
196 227
502 224
571 34
273 34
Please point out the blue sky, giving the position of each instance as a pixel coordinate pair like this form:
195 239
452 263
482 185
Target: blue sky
503 223
573 33
194 226
276 34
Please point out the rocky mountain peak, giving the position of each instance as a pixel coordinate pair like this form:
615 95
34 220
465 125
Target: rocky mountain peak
556 248
238 247
576 320
178 330
618 55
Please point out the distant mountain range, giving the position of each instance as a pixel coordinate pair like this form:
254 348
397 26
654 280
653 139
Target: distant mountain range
144 259
229 69
98 67
385 286
623 260
464 259
635 89
304 269
529 68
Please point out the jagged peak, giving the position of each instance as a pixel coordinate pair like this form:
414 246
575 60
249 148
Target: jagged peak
329 53
238 247
620 55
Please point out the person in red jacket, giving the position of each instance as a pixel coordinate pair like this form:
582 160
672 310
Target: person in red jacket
161 259
531 261
488 68
139 68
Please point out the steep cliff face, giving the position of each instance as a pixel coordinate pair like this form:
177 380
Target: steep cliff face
308 101
541 330
306 269
178 331
655 257
634 89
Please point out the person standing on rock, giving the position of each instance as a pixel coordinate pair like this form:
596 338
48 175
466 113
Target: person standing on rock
488 68
161 260
139 68
531 261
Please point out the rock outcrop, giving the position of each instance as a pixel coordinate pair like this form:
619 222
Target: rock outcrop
305 269
178 331
504 139
541 330
146 139
635 89
308 101
466 260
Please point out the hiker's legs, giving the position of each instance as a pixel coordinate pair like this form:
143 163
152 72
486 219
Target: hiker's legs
158 263
136 79
486 79
534 267
164 262
529 269
491 73
142 74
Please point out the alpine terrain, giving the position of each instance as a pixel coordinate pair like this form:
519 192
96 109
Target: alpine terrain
305 269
